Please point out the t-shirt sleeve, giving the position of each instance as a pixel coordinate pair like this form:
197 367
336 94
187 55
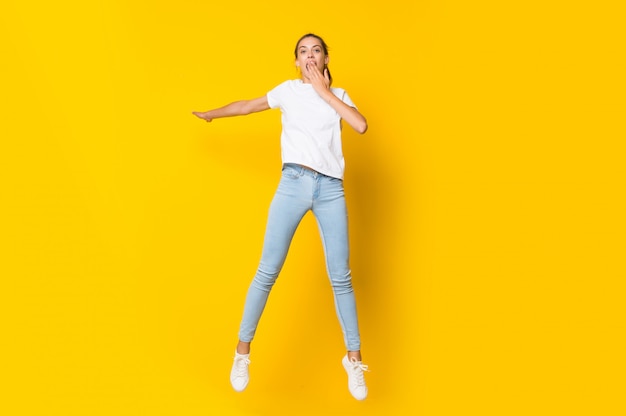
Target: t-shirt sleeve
343 96
273 96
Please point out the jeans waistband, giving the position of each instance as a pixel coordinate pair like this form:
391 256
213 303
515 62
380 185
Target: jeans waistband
304 169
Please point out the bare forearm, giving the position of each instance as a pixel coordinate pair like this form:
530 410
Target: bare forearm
236 108
349 114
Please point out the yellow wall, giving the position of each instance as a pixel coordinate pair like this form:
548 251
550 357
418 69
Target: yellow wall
486 205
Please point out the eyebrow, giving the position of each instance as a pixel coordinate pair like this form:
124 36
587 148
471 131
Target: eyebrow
303 46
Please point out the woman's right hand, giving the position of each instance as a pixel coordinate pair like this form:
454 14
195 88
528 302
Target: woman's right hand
202 115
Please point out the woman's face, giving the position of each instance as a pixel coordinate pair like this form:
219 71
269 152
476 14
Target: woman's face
311 54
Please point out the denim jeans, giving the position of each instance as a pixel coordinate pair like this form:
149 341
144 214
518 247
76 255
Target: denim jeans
300 190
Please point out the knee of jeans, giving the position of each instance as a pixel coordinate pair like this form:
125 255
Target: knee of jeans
265 278
341 282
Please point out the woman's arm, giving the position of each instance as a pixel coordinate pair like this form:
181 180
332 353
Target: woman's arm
321 84
237 108
349 114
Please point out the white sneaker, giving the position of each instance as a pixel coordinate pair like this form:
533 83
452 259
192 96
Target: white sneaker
239 376
356 380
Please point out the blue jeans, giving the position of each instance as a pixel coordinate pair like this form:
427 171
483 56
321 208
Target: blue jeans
300 190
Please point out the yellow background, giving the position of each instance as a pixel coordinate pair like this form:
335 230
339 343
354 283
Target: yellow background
486 204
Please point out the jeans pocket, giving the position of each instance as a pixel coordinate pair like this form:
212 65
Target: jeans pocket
291 172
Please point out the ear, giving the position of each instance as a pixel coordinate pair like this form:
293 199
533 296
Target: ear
326 59
297 63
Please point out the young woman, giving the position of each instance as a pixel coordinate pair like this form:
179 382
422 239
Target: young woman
312 179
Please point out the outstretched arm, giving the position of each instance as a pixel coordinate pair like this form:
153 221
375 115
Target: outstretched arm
321 84
237 108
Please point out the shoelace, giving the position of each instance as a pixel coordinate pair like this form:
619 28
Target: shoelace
357 369
241 365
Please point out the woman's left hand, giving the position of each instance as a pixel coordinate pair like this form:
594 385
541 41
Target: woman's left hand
320 82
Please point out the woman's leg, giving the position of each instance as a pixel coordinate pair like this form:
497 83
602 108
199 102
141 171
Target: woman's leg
289 205
332 217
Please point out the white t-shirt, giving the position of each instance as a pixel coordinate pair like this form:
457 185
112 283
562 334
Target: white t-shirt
311 134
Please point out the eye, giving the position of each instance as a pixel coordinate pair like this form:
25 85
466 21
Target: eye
302 51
